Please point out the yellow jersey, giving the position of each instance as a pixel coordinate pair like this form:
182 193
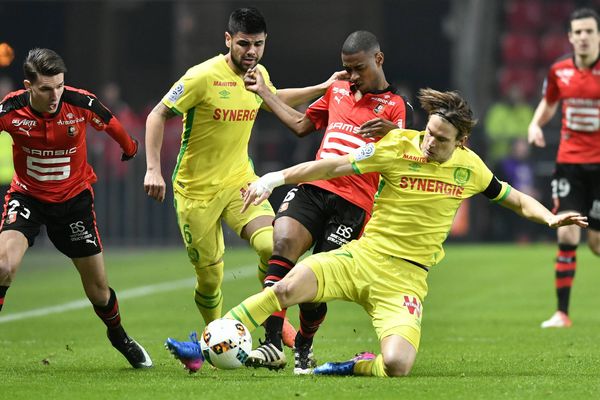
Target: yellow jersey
417 200
6 159
218 115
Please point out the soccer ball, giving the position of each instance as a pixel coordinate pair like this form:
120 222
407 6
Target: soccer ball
226 343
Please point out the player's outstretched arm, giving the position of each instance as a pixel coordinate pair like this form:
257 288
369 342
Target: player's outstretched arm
154 184
543 113
299 123
530 208
295 96
327 168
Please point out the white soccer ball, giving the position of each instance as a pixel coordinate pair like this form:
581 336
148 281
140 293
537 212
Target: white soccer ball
226 343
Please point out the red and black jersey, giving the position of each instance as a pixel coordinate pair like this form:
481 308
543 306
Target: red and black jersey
579 90
341 115
49 150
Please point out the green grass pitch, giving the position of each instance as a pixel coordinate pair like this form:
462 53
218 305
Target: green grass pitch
481 337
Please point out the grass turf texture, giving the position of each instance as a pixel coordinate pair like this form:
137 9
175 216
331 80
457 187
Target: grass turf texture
481 337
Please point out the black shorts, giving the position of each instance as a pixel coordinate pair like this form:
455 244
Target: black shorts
576 187
71 225
331 220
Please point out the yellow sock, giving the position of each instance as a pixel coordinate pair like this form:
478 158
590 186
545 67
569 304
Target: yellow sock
210 306
370 367
262 271
208 295
262 242
255 309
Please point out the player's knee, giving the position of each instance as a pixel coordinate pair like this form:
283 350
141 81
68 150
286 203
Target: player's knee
8 268
283 245
285 292
98 294
593 241
397 365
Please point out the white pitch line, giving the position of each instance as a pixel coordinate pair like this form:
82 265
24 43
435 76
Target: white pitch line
123 294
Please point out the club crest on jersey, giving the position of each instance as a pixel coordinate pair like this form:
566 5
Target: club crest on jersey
72 131
378 108
461 176
10 218
283 207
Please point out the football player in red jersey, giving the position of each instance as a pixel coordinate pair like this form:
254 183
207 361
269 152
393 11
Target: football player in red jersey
52 184
328 214
574 80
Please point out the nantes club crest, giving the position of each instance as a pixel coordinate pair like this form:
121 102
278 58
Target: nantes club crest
461 176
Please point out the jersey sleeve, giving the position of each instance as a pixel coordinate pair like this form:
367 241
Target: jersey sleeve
377 157
318 111
487 183
186 93
550 88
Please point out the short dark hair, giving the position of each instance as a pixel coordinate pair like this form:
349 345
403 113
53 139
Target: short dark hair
247 20
451 107
360 41
44 62
582 13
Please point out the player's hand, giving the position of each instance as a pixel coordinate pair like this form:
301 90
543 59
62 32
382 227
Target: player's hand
570 218
261 189
125 157
254 81
154 185
336 76
376 127
255 194
535 136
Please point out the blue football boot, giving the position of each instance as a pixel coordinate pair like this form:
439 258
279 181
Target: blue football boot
188 353
344 367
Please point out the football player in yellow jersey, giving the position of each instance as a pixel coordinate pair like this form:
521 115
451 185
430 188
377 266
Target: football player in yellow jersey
424 178
213 165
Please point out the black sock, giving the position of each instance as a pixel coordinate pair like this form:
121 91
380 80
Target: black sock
3 290
273 328
277 270
109 314
564 273
311 318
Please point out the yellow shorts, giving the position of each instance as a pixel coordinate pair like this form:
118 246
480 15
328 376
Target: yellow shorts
200 222
391 290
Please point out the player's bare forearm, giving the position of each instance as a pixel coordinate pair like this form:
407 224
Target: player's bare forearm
154 184
295 96
533 210
299 123
293 119
327 168
155 127
543 113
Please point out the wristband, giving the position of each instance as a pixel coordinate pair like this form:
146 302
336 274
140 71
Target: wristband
268 182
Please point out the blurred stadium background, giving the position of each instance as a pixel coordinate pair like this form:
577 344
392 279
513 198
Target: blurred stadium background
129 52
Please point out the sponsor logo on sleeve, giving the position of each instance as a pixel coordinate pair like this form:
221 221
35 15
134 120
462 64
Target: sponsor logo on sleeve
175 93
364 152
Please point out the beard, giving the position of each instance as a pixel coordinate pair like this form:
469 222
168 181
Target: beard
239 65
